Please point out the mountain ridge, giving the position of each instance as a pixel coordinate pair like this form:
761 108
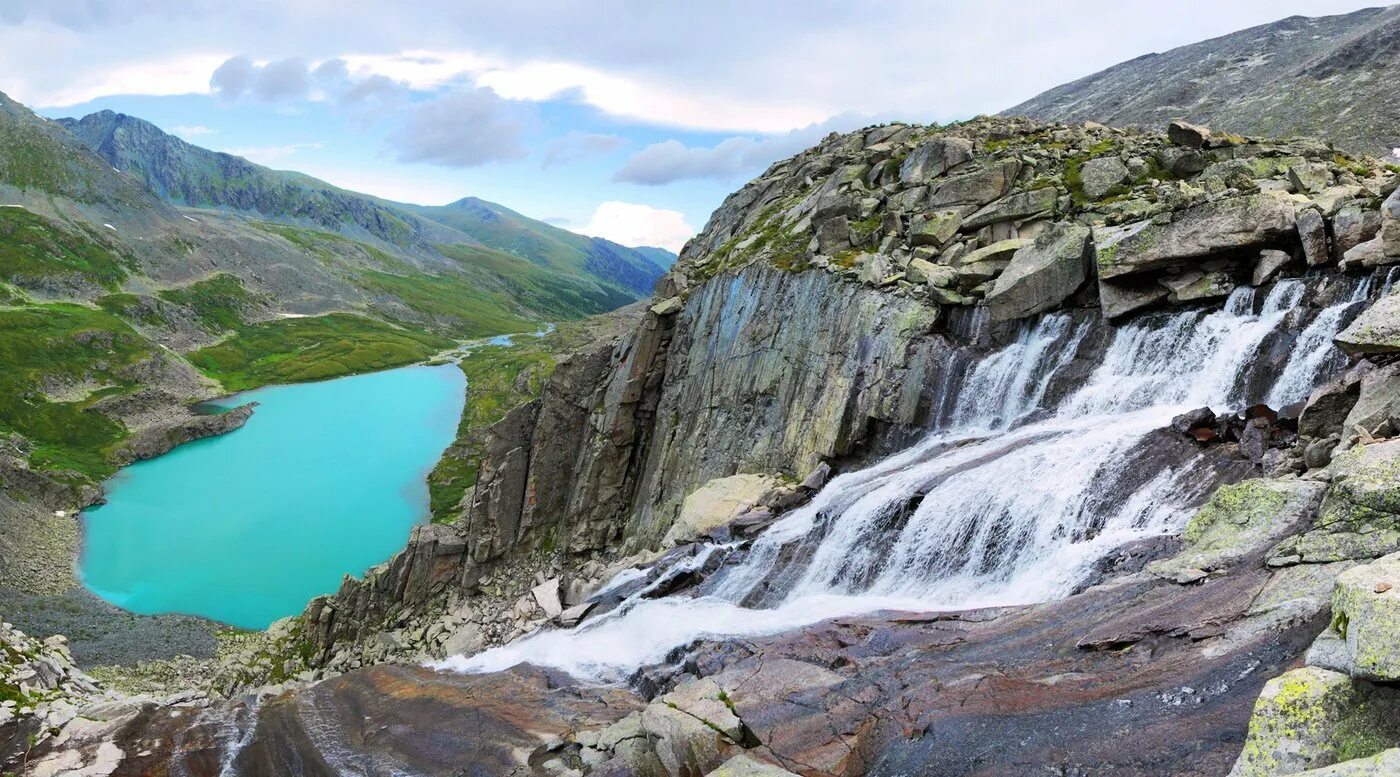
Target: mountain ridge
1296 76
184 174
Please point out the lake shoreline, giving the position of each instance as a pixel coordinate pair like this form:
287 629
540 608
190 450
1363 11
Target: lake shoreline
104 636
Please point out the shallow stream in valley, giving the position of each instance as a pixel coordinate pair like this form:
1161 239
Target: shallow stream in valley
326 479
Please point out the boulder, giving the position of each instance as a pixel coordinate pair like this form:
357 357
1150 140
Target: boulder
1328 406
465 641
547 597
1390 224
933 158
1043 274
1377 407
1189 135
1311 718
934 229
1376 330
1312 231
1366 615
816 479
924 271
1021 205
971 275
1268 264
832 204
833 235
978 187
1353 225
1100 175
1309 177
1210 228
668 307
1001 250
574 615
1120 298
1201 417
1239 520
716 503
1193 285
1364 255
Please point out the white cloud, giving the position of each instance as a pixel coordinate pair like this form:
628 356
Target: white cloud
419 69
191 131
735 157
632 224
462 128
162 77
266 155
657 103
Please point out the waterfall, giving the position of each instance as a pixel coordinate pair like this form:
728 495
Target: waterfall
1004 505
1314 355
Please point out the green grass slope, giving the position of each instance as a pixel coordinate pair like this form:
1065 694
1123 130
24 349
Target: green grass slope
632 269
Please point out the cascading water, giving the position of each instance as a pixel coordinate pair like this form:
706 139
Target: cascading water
1000 506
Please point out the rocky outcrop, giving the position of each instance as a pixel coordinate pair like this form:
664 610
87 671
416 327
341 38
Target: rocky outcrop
1366 616
1358 518
1238 520
1171 671
1311 718
1376 331
1043 275
40 690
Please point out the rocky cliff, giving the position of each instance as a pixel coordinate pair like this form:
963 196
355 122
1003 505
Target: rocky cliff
1297 76
820 318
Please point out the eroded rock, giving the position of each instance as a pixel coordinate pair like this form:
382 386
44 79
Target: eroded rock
1239 520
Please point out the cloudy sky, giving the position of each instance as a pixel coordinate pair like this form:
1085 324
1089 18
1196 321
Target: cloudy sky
629 119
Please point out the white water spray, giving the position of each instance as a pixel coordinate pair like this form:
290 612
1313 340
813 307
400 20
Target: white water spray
986 512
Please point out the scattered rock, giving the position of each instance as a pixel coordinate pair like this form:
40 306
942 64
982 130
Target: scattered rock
1188 135
717 503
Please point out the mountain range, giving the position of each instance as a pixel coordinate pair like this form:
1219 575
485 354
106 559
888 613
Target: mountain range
158 267
1326 76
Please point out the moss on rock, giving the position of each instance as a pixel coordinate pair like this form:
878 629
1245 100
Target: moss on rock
1311 718
1366 614
1239 519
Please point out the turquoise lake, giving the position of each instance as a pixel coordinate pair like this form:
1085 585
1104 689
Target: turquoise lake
325 479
